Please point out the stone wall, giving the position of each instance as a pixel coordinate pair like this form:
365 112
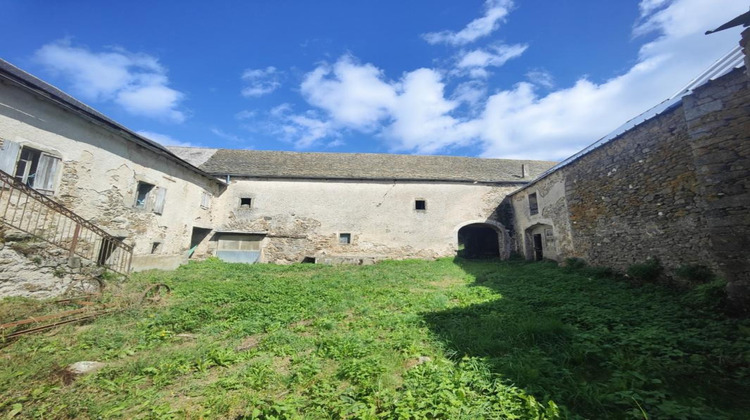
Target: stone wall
303 218
675 187
32 268
637 197
98 177
718 120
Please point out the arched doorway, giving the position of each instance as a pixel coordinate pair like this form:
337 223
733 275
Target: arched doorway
478 240
540 243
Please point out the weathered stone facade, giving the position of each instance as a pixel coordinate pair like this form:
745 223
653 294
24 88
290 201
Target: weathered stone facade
303 218
718 121
675 187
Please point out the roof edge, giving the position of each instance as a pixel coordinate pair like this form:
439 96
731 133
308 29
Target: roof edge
41 88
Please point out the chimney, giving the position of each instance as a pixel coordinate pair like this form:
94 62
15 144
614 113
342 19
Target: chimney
523 170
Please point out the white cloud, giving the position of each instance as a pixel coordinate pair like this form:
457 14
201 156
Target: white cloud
228 136
495 13
520 123
541 78
164 139
355 95
135 81
476 61
260 81
416 114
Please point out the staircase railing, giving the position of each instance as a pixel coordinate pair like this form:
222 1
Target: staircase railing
28 210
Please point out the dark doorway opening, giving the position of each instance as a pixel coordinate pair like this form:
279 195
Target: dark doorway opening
199 234
478 241
538 250
107 247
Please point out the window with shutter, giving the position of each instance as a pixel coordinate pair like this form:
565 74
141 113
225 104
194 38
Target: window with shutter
161 195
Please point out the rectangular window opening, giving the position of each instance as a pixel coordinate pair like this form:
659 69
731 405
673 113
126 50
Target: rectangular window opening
246 202
142 195
420 204
205 200
533 204
345 238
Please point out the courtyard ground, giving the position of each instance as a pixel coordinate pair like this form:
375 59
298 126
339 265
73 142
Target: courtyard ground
451 339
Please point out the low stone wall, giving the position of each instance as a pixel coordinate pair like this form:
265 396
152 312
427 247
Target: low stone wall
35 269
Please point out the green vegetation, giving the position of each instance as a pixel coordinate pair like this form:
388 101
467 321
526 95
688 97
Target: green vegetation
411 339
647 272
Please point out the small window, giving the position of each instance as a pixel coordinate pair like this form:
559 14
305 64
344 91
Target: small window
155 247
246 202
420 205
345 238
533 204
142 195
150 197
205 200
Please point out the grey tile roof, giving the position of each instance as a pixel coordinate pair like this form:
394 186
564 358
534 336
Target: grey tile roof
368 166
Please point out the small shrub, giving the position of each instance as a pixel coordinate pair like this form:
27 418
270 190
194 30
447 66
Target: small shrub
695 273
648 271
572 264
707 296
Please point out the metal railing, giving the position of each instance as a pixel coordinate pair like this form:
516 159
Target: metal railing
30 211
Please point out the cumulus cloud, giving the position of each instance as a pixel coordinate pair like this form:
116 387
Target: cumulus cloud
541 78
534 118
135 81
476 61
494 15
164 139
260 81
521 123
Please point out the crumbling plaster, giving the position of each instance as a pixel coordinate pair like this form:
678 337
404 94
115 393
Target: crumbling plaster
100 173
304 217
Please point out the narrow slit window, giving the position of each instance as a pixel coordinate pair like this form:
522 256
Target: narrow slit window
533 204
345 238
420 205
246 202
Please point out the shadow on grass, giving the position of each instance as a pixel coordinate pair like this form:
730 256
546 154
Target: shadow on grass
599 346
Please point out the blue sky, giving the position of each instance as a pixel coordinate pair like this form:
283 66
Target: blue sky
534 79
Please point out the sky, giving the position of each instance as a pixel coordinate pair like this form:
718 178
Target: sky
516 79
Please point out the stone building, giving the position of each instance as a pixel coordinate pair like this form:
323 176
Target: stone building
129 186
673 183
285 207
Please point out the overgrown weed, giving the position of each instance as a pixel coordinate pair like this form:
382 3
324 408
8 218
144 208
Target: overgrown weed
399 339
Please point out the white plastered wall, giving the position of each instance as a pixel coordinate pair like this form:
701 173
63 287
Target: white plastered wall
99 176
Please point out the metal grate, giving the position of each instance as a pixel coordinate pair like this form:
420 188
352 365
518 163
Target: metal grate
30 211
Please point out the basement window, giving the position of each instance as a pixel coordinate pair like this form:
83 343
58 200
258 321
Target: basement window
420 205
246 202
345 238
533 204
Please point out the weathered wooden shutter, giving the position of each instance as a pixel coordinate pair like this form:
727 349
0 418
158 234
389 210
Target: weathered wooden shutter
161 195
9 156
46 173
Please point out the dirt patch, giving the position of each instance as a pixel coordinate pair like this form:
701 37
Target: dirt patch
250 342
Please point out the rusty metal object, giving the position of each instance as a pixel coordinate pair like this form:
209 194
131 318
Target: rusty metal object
26 209
90 310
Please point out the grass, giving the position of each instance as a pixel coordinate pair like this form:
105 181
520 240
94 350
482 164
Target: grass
411 339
